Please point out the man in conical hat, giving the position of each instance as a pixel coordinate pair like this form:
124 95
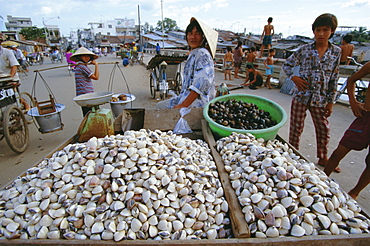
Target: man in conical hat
83 74
198 85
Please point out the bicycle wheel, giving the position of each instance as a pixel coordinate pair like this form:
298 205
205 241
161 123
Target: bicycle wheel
361 95
15 129
341 90
69 70
141 61
153 88
21 72
27 98
41 61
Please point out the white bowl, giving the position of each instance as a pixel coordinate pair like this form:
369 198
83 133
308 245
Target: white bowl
93 99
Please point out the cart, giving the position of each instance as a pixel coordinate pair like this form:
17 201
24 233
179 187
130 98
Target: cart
165 75
13 121
152 119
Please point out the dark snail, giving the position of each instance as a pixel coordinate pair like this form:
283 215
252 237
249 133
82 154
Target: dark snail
240 115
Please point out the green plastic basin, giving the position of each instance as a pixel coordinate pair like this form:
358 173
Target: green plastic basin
276 111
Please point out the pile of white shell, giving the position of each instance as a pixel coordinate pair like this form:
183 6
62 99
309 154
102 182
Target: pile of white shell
140 185
282 194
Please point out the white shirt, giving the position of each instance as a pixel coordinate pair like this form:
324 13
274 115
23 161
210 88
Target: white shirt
7 61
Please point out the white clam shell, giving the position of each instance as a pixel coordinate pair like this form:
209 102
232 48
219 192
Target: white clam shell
298 231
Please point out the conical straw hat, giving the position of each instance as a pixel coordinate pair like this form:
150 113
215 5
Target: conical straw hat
210 35
83 51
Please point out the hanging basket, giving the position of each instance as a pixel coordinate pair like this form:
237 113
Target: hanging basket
48 122
47 113
120 101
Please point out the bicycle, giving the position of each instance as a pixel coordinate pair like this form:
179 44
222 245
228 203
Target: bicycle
35 58
360 90
23 69
137 57
56 58
13 123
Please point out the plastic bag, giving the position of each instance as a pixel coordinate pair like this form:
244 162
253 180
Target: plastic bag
182 125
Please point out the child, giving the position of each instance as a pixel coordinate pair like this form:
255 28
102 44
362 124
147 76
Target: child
228 63
251 57
83 75
357 136
315 87
268 32
269 64
255 78
347 49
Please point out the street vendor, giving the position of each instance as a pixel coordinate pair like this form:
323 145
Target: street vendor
8 62
83 74
9 65
198 85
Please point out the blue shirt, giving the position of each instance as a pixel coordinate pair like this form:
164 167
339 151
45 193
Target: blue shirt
199 77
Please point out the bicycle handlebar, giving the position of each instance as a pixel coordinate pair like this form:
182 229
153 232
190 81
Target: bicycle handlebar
354 61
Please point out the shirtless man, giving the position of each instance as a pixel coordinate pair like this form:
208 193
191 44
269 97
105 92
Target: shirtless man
357 136
347 49
268 32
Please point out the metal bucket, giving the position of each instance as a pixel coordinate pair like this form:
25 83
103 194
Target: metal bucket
48 122
119 106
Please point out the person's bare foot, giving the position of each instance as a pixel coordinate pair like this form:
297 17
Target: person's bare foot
322 162
351 194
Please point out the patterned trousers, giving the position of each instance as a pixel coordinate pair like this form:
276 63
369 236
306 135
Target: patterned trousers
321 123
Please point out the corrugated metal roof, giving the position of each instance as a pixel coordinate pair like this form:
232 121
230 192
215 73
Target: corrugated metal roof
152 36
164 45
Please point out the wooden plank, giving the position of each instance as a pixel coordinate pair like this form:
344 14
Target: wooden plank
165 119
238 223
321 240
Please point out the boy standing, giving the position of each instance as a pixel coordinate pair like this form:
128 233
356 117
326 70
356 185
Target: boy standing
315 87
268 32
269 64
357 136
228 63
251 57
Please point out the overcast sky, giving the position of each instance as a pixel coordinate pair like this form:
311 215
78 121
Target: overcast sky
290 16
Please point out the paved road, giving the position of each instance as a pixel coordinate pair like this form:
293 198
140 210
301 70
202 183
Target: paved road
137 78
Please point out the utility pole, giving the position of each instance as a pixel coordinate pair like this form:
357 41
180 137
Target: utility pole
162 24
138 13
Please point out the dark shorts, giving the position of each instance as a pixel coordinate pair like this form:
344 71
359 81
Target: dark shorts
357 136
237 64
267 40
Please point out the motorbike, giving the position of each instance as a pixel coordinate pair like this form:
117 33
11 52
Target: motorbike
35 58
55 58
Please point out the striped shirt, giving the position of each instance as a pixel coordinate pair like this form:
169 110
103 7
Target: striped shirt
83 81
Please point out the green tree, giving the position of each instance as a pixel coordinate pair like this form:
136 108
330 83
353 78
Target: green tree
33 33
147 28
168 25
361 35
